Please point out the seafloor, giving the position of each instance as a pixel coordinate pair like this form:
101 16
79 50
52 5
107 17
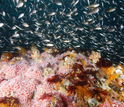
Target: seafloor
69 26
54 79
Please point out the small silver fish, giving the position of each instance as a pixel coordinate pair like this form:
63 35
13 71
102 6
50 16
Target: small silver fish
58 3
111 29
114 18
39 34
31 31
102 34
100 18
37 24
69 14
121 8
15 35
46 40
75 3
98 28
66 41
76 39
108 42
91 29
34 11
121 27
16 1
18 27
95 10
88 2
110 10
77 46
85 23
75 13
11 41
52 13
49 45
4 14
89 19
92 6
14 27
79 28
21 15
92 22
47 22
74 10
1 24
25 25
20 4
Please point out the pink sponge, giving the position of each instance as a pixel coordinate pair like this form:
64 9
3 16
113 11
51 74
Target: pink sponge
34 73
22 66
25 89
9 71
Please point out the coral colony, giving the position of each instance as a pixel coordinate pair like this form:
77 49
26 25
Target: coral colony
73 78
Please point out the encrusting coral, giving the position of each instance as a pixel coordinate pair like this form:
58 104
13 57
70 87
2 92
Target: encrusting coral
52 79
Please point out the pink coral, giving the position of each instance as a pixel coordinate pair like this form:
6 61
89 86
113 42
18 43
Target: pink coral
9 71
5 88
64 71
45 55
37 84
34 73
22 66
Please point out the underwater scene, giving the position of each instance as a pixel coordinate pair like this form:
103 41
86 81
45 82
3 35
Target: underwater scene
61 53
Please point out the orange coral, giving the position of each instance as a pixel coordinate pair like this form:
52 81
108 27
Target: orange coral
35 52
6 56
83 63
95 56
80 103
83 91
110 73
22 51
9 102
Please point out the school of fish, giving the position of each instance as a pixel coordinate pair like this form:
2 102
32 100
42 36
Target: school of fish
91 24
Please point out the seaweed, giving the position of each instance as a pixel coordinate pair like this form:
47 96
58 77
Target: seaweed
99 94
8 56
54 79
9 102
71 89
104 63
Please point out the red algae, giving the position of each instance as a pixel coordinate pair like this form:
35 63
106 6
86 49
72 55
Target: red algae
114 103
54 79
9 102
104 63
